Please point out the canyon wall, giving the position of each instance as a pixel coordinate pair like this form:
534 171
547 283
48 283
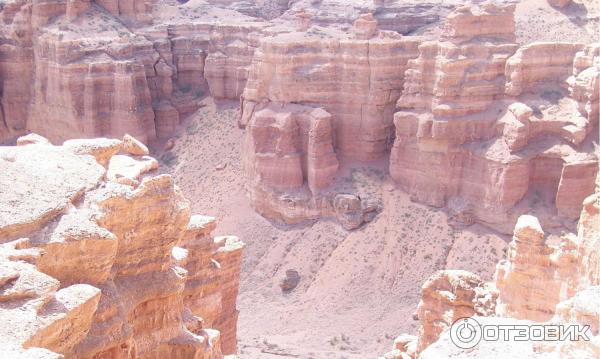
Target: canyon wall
349 85
472 133
471 121
101 258
357 79
69 69
485 128
492 130
402 16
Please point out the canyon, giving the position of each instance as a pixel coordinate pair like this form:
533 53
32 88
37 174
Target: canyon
385 167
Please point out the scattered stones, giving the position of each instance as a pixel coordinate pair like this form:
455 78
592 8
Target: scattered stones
134 147
290 281
221 166
169 144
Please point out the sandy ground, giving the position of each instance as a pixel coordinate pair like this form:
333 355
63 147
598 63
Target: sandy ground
578 22
358 289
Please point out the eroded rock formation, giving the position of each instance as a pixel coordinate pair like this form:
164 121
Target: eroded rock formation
447 296
100 257
536 283
486 128
464 141
535 276
356 78
131 70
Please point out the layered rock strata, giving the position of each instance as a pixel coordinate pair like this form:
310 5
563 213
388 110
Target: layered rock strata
356 79
400 16
352 82
90 260
535 276
447 296
464 141
534 65
106 74
290 163
486 128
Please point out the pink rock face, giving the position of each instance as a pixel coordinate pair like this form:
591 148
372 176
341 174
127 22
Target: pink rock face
584 85
88 75
526 272
226 67
291 146
487 20
537 64
589 248
212 278
365 27
459 138
290 163
445 297
80 222
129 10
356 81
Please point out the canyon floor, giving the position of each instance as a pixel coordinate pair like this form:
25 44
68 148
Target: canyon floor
355 285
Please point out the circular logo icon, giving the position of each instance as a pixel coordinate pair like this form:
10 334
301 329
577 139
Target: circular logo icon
465 333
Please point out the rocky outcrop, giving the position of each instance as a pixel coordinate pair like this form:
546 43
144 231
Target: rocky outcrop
356 80
91 265
348 85
400 16
485 128
428 157
536 64
213 278
535 277
581 310
290 146
83 94
16 67
536 283
447 296
461 140
584 84
588 233
95 74
290 163
231 50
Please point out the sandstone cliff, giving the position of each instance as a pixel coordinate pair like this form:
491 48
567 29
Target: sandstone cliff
470 120
87 69
487 128
101 258
356 78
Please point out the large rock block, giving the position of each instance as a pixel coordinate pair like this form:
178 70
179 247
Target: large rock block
356 81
